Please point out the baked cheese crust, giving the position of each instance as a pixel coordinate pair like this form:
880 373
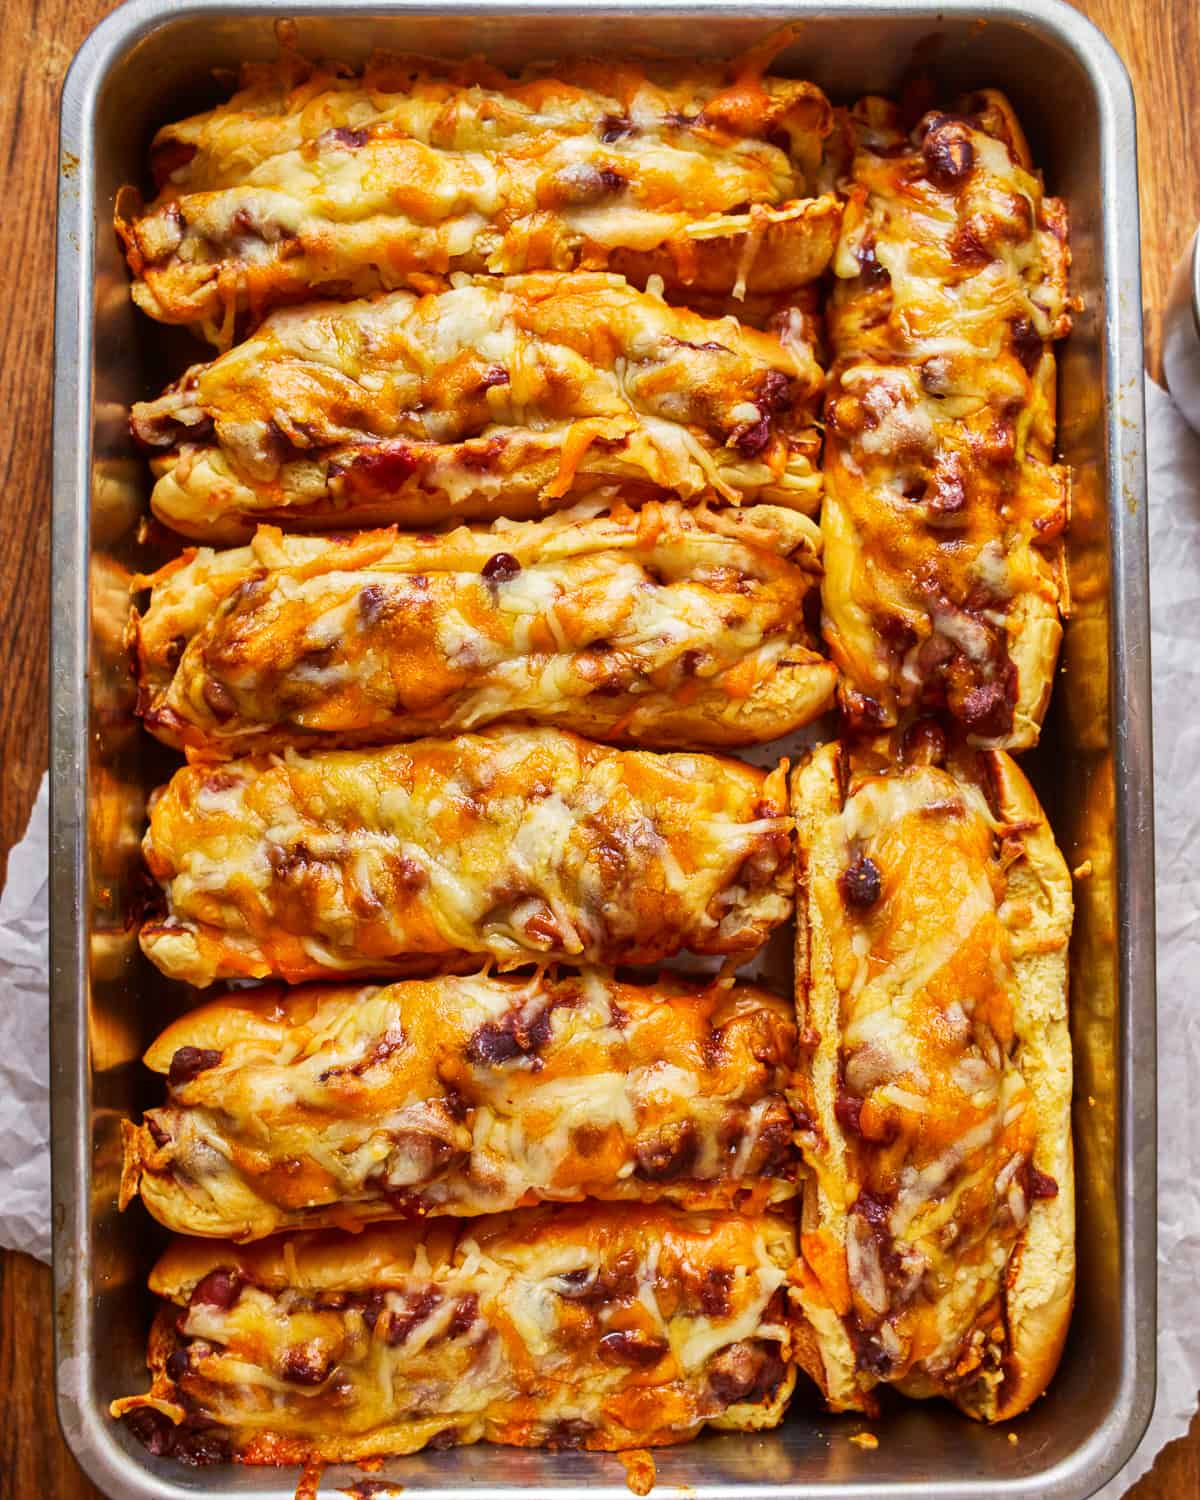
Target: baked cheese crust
933 917
605 1327
663 626
490 398
526 437
944 512
326 1105
312 181
521 844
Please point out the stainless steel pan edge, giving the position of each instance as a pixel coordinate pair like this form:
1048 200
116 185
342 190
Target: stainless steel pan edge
926 1452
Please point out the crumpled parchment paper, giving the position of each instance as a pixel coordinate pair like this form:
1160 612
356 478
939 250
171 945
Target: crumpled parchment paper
1173 462
1173 453
25 1040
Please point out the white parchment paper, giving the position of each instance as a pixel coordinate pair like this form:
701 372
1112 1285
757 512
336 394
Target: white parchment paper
1174 462
25 1041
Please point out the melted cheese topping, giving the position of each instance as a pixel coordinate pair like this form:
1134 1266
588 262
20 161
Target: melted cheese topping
934 1126
311 181
660 626
492 397
943 513
591 1327
520 844
464 1096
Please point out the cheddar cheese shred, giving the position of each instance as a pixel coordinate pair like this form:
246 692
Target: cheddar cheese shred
664 626
312 181
490 398
944 511
331 1106
597 1326
937 1244
516 844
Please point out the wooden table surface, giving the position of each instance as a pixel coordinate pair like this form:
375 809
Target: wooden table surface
1160 42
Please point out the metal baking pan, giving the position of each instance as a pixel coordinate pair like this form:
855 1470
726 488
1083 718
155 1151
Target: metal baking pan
153 60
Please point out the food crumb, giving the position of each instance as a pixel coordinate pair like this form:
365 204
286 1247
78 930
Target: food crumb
310 1480
866 1440
639 1470
1013 1438
1083 871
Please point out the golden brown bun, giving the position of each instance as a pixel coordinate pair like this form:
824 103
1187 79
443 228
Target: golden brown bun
904 613
1041 1274
823 1347
1033 1302
383 1254
236 621
267 1135
400 1438
704 1294
476 806
795 242
320 1261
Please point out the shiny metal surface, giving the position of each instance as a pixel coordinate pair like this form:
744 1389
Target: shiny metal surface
151 61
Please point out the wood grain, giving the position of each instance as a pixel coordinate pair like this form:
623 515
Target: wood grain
1160 41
